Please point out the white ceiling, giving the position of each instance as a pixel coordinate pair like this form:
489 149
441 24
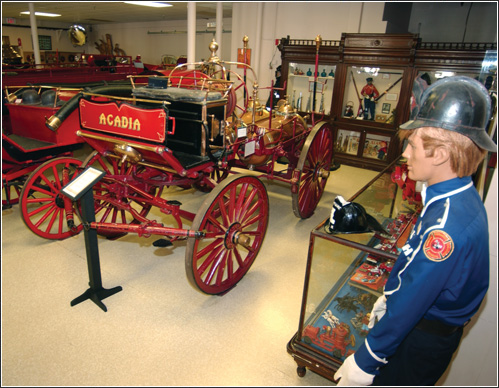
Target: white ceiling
92 12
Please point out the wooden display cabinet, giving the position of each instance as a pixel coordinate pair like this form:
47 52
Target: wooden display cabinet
298 68
393 61
344 276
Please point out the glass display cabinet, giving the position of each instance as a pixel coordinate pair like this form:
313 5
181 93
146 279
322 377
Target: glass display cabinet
382 95
346 273
365 125
301 85
299 58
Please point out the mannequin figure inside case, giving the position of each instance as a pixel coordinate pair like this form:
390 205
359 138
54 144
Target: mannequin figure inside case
370 94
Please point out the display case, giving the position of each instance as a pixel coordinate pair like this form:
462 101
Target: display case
345 274
393 61
299 58
302 83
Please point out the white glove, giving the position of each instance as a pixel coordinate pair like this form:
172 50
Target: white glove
351 375
379 309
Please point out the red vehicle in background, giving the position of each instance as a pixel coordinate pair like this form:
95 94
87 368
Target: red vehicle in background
87 68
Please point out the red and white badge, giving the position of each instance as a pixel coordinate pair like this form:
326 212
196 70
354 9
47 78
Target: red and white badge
438 246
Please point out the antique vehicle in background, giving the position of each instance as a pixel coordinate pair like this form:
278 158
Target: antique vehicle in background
182 129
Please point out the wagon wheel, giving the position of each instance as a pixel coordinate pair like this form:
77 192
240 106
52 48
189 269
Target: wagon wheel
236 103
42 203
312 170
234 219
116 202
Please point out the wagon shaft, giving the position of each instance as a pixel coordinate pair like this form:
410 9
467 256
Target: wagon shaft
146 230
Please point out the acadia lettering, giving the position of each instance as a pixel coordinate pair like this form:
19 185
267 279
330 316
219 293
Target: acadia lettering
119 122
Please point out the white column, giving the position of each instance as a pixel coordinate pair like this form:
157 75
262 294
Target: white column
191 32
34 34
258 39
219 30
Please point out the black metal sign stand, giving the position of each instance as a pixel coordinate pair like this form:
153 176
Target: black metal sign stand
96 292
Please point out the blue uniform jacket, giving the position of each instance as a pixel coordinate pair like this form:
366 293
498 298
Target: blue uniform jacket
442 273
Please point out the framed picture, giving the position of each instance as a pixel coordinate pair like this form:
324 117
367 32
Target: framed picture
45 42
376 147
391 97
347 142
386 108
386 81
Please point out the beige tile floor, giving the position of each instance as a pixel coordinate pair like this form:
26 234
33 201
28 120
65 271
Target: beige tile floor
158 330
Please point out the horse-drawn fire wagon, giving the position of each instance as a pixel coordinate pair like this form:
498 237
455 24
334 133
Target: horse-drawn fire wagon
181 130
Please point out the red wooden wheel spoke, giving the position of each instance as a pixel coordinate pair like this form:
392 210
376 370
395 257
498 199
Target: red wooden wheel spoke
215 227
210 248
251 221
216 267
56 177
41 209
41 191
210 258
57 213
51 186
221 268
46 215
223 214
239 259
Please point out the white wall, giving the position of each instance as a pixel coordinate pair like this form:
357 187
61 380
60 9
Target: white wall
152 40
299 20
60 38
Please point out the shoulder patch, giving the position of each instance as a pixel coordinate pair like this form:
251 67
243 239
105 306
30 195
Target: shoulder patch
438 246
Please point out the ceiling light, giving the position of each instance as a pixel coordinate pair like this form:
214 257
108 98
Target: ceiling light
149 4
50 15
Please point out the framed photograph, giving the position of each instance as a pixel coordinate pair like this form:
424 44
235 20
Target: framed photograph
45 42
386 108
347 142
376 147
386 81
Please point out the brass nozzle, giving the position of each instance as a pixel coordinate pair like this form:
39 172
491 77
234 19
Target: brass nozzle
53 123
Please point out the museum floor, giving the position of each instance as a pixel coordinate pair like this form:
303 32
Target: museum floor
158 331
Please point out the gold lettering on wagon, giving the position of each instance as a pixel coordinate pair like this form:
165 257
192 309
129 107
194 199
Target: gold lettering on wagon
119 122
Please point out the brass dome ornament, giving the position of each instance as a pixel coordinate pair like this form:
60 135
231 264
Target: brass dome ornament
318 41
213 48
77 35
285 109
